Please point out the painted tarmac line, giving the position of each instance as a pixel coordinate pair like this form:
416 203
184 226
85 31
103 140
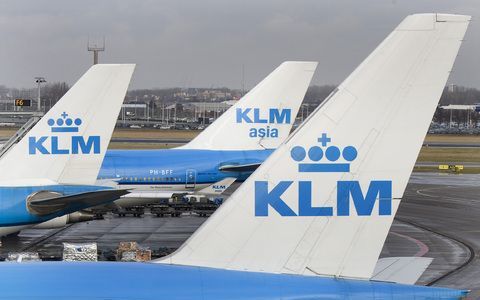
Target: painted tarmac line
422 247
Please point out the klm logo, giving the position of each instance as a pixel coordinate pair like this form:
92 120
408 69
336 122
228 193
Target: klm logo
75 144
349 193
332 155
264 121
219 187
255 115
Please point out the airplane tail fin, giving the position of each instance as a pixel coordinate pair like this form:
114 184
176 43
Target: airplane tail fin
263 118
323 202
68 144
218 187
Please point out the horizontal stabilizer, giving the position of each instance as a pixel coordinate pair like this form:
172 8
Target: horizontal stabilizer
406 270
218 187
45 203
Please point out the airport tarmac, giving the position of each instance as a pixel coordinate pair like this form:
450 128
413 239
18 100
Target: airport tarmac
449 205
438 218
159 234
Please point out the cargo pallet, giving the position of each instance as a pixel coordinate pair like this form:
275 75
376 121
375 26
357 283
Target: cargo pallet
136 211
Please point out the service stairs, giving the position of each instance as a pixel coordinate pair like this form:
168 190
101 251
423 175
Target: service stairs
19 134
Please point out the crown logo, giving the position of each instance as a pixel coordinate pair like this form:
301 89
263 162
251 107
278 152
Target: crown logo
331 153
64 124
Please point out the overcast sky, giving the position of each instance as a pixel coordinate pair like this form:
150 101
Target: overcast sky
196 43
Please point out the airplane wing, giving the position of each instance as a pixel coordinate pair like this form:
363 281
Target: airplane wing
108 182
406 270
240 167
45 203
153 194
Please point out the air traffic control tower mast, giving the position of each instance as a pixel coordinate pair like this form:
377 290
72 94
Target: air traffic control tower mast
96 47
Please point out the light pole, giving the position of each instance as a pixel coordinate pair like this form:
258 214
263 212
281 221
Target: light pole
39 81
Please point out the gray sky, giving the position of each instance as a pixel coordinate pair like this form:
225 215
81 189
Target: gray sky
193 43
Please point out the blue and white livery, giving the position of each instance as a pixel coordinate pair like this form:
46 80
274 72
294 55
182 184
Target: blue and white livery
328 244
52 170
233 146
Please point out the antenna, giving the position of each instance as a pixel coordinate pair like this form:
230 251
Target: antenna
96 47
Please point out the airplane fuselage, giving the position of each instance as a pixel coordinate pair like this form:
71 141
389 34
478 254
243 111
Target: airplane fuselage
110 280
176 169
